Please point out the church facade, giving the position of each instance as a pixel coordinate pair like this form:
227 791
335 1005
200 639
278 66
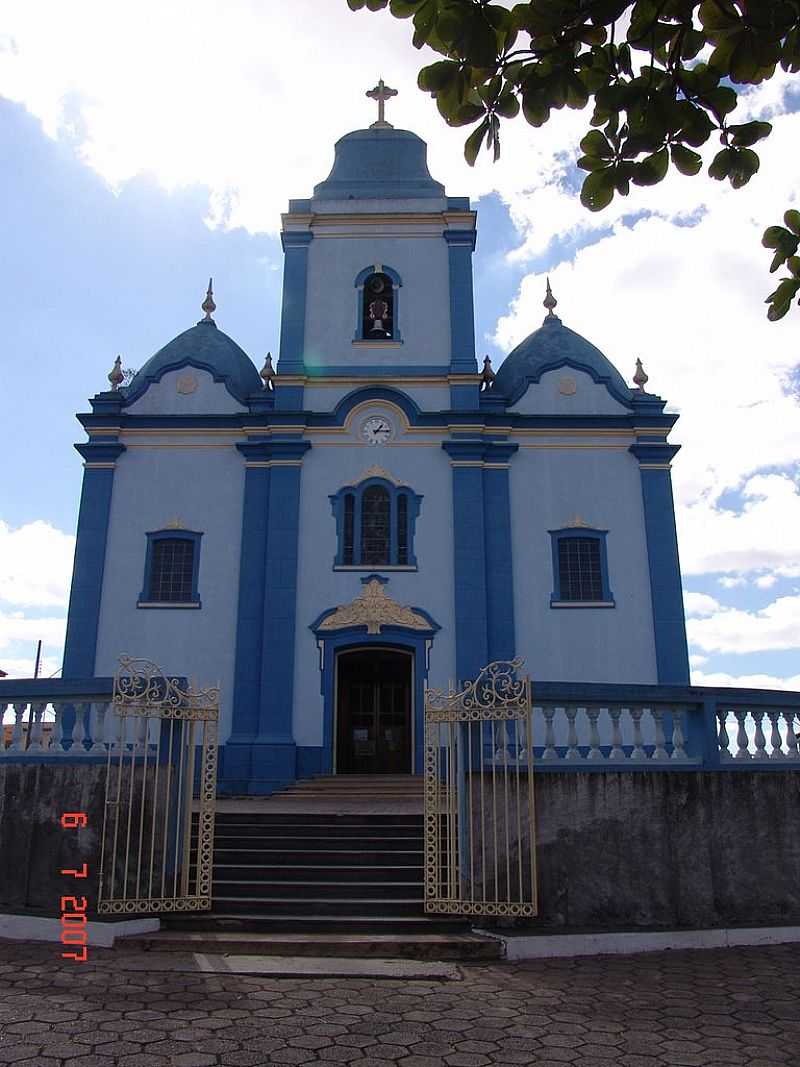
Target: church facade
377 513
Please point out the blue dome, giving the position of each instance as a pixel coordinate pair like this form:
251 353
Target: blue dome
207 348
380 163
552 346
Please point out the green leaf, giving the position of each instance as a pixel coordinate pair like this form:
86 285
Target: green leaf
403 9
721 164
652 169
507 105
773 236
591 163
465 115
792 220
596 143
438 76
473 143
793 263
721 100
686 161
744 165
749 133
598 189
535 107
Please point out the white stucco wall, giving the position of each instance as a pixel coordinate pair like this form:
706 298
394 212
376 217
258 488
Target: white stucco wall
186 392
552 395
199 482
423 310
426 397
601 483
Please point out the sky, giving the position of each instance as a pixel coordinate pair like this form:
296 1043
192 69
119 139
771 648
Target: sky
146 147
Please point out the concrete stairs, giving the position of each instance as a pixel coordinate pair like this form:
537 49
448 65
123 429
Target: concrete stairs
329 867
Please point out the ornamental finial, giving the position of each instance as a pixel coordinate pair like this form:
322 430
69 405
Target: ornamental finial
267 373
487 374
381 93
640 379
549 301
208 304
116 377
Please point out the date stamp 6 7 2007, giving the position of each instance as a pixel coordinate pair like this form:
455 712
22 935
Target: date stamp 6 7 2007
73 909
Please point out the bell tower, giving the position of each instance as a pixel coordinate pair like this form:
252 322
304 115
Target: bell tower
378 273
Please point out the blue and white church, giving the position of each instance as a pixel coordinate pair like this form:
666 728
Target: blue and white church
376 512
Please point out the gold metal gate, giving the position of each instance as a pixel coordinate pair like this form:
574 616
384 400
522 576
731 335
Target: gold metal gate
480 841
156 851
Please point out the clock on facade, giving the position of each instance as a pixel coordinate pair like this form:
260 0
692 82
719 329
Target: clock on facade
376 430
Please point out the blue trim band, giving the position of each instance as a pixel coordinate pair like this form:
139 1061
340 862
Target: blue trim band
499 556
83 618
293 310
669 623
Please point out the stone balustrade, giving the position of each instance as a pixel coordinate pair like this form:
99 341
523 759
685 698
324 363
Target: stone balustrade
578 725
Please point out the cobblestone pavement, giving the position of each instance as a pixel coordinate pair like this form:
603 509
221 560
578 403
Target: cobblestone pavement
714 1008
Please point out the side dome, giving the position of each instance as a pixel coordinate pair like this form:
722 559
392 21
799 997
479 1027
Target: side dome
550 347
379 164
206 347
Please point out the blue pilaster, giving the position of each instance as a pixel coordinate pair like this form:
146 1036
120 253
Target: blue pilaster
293 318
80 646
236 770
273 760
669 624
460 246
499 566
469 556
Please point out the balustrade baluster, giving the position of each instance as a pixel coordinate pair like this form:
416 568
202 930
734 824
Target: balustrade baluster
759 739
791 738
35 727
638 748
724 740
678 740
3 735
660 749
775 739
16 734
549 733
742 740
57 742
572 734
99 729
80 732
617 751
594 734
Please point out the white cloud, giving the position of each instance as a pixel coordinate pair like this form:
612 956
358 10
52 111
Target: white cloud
18 628
729 582
696 660
766 581
746 681
35 564
699 604
733 630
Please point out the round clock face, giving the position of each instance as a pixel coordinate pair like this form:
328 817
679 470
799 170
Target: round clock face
376 430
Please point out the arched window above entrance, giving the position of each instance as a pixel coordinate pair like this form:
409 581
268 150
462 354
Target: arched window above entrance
375 522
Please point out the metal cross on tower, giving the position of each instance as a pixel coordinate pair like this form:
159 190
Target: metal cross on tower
381 93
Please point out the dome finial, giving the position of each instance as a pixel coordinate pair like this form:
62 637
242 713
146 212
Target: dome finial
381 93
550 301
640 379
116 377
208 304
267 372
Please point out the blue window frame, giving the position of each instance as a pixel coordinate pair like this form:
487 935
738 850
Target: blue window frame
375 523
378 299
171 570
580 568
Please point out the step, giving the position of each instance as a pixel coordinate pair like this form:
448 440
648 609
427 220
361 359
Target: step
315 873
320 820
332 857
368 907
319 890
454 946
223 920
258 839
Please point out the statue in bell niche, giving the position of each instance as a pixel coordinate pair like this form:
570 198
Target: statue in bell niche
379 307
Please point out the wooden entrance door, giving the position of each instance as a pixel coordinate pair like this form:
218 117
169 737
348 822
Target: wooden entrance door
373 734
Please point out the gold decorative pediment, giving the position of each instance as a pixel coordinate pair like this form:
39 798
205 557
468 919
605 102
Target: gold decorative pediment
578 521
375 472
374 608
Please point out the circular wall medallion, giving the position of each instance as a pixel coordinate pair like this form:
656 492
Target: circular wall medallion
376 430
186 384
567 386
